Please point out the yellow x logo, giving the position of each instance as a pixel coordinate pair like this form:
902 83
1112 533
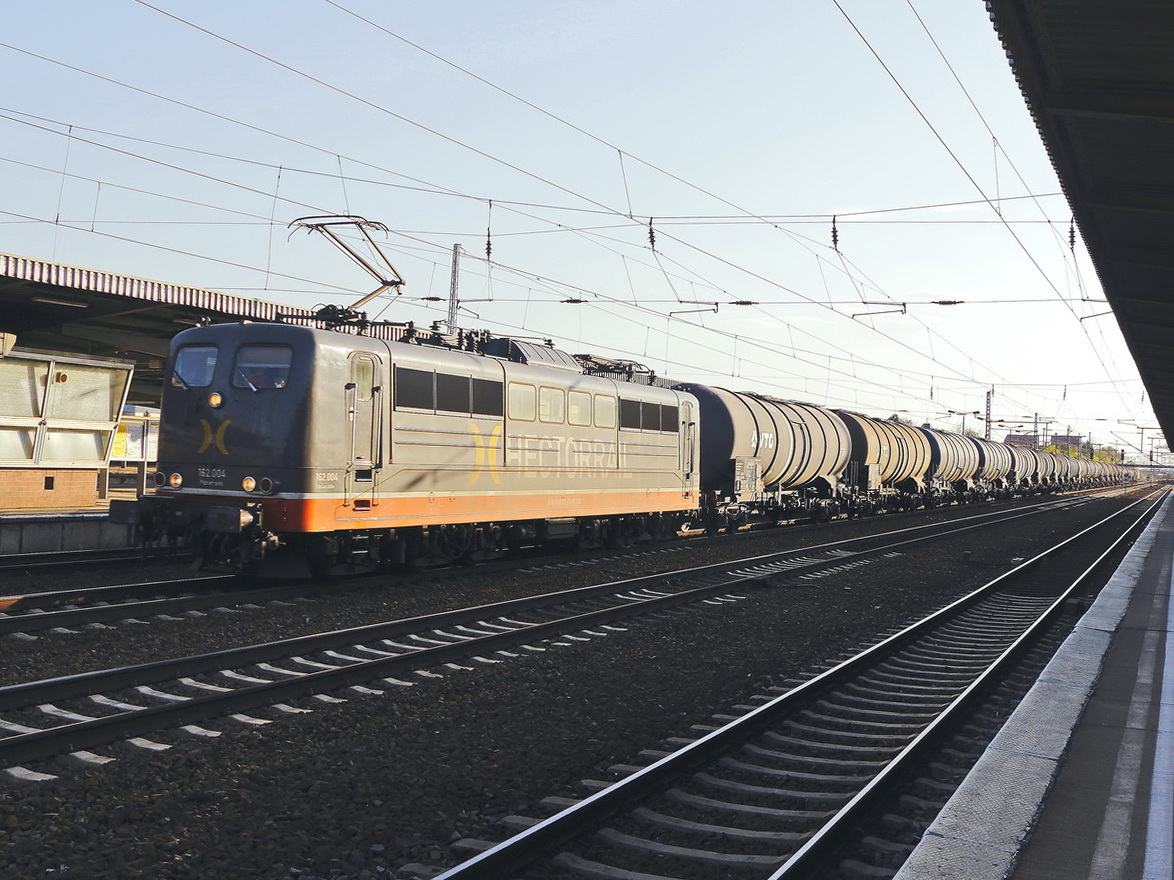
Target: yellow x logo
486 455
209 439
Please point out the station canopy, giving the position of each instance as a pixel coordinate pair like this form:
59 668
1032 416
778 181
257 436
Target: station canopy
1098 78
51 307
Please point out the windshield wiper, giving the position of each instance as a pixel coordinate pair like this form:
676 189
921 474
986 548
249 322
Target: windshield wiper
246 378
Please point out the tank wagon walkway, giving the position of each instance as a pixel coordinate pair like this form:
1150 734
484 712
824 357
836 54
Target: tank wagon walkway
1080 782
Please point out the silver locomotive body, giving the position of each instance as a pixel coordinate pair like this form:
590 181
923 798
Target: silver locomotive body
345 446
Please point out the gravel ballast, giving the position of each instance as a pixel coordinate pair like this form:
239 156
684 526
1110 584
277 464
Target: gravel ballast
379 785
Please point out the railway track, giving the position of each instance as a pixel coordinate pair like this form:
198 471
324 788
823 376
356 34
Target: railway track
65 559
780 790
68 609
99 708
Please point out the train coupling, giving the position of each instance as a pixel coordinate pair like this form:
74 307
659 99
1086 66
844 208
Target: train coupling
230 520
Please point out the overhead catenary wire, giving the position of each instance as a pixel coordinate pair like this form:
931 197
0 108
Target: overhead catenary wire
659 223
405 119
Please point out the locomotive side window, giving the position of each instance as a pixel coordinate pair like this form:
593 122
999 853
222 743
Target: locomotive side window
414 388
629 414
194 366
643 415
523 401
452 393
551 405
262 366
650 416
605 411
579 408
669 419
487 397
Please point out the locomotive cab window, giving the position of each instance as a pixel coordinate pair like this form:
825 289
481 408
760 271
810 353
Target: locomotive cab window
262 366
646 416
363 370
194 366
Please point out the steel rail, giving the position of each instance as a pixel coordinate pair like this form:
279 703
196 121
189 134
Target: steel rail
103 730
36 618
743 571
803 861
542 838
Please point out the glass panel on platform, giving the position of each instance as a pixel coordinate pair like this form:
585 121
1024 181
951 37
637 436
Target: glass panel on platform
16 444
83 393
74 446
22 387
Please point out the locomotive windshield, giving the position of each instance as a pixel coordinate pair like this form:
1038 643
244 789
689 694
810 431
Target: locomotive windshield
194 366
262 366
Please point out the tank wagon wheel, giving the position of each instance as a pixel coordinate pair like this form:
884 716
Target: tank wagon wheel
713 524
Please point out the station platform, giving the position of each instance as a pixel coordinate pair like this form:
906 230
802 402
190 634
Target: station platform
1080 781
32 530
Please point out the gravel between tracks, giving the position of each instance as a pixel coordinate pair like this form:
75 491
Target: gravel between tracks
378 786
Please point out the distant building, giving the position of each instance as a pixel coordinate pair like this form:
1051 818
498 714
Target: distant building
1031 440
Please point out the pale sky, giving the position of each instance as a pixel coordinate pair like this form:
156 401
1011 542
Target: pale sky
177 141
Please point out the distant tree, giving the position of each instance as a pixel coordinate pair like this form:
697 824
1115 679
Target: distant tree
900 421
1106 454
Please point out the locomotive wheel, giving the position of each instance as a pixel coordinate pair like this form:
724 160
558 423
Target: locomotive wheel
319 565
321 555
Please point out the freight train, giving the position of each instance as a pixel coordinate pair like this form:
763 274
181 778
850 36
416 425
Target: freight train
343 450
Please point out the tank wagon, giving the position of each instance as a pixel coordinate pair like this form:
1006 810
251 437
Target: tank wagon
760 455
280 441
890 461
996 464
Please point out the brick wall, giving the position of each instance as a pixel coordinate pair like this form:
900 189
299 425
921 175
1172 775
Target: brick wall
24 488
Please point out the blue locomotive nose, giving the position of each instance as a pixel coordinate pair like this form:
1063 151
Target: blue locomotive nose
233 411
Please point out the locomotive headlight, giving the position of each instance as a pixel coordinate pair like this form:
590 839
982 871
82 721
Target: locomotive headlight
214 400
267 485
160 478
248 484
175 480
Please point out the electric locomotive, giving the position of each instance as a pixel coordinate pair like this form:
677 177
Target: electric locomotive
337 448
